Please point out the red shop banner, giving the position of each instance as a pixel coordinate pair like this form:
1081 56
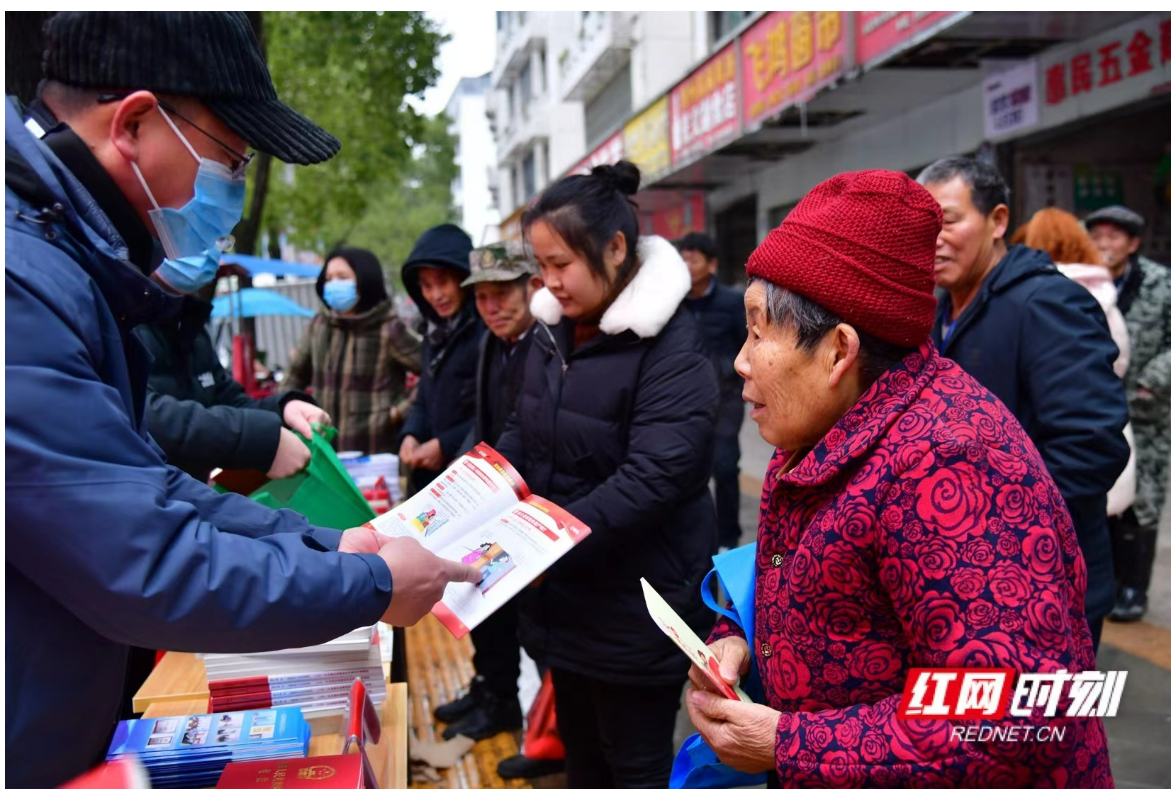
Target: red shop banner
674 223
612 151
882 34
704 109
789 56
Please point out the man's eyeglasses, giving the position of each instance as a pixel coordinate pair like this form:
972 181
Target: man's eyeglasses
241 161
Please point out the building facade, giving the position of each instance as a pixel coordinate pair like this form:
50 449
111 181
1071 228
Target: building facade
477 161
733 116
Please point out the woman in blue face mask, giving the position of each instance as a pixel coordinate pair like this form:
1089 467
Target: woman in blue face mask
356 354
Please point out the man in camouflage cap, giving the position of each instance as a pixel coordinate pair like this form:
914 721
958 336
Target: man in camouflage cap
1145 298
503 279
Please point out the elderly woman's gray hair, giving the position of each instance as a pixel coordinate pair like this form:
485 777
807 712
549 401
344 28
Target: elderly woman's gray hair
810 322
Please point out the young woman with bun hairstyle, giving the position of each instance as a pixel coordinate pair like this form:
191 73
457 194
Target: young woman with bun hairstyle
615 422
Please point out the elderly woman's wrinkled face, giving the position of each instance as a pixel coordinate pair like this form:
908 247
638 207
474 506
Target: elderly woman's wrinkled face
796 396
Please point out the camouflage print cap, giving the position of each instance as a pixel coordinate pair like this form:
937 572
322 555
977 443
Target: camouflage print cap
502 261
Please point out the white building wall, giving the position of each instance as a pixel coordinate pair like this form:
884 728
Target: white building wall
476 156
665 47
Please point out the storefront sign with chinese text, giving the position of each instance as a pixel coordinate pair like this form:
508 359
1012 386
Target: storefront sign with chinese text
884 34
1010 101
704 108
1123 65
647 140
788 56
610 152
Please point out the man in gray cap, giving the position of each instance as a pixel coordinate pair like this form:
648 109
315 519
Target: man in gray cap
136 144
1145 298
503 281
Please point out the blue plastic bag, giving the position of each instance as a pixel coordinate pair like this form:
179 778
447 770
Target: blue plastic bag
696 766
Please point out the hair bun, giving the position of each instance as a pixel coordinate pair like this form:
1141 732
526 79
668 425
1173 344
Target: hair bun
624 176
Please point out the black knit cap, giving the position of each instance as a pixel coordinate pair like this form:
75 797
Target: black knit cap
212 56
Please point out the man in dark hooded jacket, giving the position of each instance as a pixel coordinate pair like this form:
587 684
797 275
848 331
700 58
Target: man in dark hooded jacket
443 413
1040 343
107 545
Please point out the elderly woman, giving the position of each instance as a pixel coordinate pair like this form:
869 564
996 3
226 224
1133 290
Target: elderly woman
906 521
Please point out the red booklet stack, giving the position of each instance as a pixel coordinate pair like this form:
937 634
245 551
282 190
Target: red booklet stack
316 679
316 772
350 770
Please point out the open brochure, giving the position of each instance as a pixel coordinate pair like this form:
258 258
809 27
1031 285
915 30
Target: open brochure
480 512
688 642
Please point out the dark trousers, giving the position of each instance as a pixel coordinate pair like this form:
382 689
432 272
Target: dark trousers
1134 548
496 650
726 474
615 736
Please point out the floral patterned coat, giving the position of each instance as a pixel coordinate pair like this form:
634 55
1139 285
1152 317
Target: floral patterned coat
922 531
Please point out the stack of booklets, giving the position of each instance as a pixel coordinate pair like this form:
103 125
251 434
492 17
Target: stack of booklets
366 470
316 679
191 752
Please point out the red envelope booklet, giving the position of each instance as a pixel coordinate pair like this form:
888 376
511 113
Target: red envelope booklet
352 770
316 772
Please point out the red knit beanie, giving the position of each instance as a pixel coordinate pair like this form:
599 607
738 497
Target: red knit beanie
862 245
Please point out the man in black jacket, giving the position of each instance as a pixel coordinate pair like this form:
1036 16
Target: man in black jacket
203 419
502 280
1039 342
720 315
443 413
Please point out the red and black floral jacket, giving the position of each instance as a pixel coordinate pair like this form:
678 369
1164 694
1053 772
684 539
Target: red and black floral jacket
922 531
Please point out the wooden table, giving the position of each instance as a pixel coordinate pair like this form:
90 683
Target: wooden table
389 758
179 677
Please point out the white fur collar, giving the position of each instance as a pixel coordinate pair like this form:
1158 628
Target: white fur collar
646 304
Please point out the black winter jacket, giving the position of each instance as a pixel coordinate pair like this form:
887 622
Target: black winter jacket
620 433
722 320
1040 342
196 412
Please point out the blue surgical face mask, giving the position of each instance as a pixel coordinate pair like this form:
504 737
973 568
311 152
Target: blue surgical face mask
211 214
340 295
190 274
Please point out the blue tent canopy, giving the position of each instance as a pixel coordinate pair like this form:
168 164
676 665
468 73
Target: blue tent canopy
268 266
258 303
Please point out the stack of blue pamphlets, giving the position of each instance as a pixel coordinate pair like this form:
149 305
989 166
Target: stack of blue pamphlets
192 751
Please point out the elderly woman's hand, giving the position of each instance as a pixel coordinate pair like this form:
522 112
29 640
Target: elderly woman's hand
734 661
743 735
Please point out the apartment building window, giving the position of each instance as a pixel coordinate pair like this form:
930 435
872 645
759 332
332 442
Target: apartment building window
500 19
723 22
514 187
529 176
543 71
603 113
525 91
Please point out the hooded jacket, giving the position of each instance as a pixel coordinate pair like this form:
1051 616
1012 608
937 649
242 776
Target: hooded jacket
108 546
1040 342
444 407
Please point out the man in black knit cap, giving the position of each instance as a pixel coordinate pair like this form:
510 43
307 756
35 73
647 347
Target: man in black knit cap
137 143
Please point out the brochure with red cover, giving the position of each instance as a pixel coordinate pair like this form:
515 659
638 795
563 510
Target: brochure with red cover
316 772
480 512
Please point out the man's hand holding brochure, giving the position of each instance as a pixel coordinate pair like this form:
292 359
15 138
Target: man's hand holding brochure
477 526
